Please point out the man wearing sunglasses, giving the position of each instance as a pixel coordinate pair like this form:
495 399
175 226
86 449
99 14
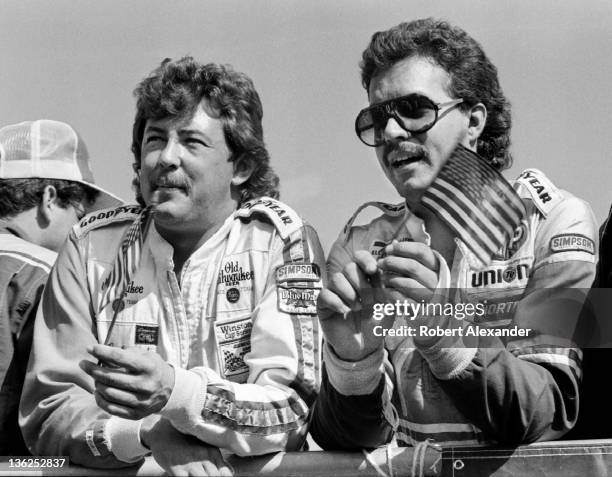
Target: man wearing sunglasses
432 89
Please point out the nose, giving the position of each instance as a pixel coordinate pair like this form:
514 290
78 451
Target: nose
170 156
393 131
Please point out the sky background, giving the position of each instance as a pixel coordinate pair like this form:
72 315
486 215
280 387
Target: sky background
78 61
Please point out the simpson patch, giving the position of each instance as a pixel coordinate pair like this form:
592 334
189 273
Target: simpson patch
233 343
572 242
300 272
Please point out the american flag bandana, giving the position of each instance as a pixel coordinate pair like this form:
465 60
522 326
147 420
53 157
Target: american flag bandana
125 265
476 202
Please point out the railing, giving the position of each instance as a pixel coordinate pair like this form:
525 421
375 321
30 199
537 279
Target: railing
563 458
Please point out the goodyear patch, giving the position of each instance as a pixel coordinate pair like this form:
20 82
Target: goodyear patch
146 335
298 300
106 216
301 272
572 243
233 343
284 218
543 192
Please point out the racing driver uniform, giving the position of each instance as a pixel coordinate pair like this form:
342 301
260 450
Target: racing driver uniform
493 389
239 327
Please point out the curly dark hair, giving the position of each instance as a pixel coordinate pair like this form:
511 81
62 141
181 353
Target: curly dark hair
19 195
473 76
176 88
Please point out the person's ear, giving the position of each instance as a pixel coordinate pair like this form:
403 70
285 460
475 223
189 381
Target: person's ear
477 117
243 169
47 203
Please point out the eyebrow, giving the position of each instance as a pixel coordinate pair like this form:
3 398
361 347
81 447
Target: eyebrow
154 129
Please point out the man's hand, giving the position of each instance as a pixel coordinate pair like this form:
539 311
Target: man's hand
130 383
181 454
410 268
345 309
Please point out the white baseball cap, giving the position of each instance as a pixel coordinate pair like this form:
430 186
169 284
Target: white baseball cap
48 149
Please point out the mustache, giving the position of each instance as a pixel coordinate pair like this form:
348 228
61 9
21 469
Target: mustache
166 180
393 150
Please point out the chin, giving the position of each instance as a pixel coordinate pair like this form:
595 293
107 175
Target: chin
168 213
413 188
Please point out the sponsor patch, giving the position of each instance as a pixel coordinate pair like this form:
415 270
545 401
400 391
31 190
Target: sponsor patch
513 274
107 216
543 192
233 343
235 283
283 217
497 313
300 272
232 295
146 335
572 242
297 300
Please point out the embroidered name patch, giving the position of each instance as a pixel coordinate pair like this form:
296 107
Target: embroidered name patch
146 335
233 343
572 242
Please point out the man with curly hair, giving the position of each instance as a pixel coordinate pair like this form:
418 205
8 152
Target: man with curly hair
432 90
190 320
46 186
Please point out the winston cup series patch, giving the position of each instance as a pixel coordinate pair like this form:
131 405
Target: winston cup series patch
297 287
233 343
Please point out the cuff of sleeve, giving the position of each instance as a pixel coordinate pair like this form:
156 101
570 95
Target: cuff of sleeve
124 438
353 377
186 400
448 363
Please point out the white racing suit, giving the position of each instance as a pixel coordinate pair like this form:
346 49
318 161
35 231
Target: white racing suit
490 390
239 328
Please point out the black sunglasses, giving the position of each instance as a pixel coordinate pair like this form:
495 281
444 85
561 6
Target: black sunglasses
415 114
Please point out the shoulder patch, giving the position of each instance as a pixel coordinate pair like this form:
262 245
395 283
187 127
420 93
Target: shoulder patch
394 210
284 218
104 217
539 189
572 242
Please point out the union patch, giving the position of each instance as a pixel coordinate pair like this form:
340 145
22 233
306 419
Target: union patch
571 243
